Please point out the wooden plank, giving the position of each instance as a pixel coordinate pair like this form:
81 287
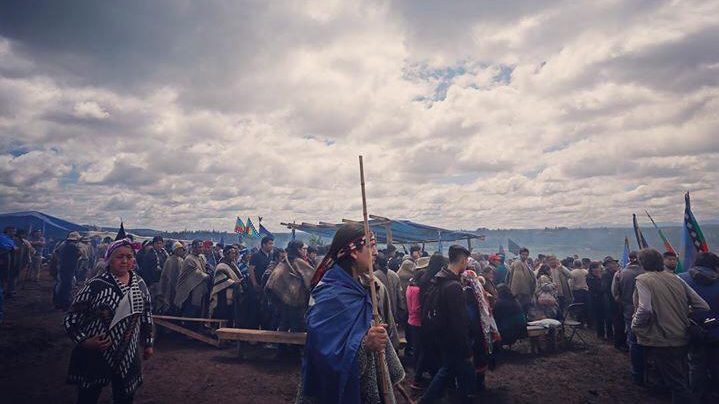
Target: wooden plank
187 332
248 335
221 322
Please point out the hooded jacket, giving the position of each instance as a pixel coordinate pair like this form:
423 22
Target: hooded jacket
704 281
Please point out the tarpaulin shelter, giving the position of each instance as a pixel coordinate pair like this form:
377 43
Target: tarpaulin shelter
53 227
390 231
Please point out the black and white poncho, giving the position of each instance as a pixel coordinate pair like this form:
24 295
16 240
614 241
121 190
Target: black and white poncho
105 306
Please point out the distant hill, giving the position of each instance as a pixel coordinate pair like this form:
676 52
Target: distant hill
592 243
588 242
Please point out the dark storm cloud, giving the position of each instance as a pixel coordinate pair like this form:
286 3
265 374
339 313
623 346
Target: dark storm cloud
180 113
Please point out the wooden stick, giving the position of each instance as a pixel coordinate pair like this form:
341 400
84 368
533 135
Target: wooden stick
386 386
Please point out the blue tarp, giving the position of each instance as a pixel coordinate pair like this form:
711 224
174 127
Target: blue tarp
403 231
53 227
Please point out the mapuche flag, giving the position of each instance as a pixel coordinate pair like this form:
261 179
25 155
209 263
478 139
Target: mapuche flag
251 230
693 240
239 226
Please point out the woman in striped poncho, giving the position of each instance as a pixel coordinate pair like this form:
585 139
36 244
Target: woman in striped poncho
108 320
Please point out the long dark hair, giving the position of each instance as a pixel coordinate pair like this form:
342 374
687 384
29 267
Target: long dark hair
544 270
436 262
293 249
345 235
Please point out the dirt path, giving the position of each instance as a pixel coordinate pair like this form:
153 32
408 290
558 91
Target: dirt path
34 353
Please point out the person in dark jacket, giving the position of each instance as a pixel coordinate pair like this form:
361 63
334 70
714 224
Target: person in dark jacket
704 357
623 287
596 299
510 317
455 344
152 263
614 319
429 359
68 258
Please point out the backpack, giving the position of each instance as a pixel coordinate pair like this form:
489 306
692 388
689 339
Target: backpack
433 320
704 328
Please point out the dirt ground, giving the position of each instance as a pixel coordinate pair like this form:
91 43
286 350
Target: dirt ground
34 354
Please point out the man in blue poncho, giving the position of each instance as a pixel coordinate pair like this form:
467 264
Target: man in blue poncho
340 362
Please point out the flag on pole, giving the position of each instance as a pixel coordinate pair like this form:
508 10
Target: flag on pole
121 233
264 232
625 254
667 245
693 240
501 250
513 247
239 226
641 242
251 231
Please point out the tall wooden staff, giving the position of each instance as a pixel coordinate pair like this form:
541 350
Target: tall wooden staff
385 382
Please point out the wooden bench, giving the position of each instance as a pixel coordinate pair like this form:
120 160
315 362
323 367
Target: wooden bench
263 336
169 323
269 337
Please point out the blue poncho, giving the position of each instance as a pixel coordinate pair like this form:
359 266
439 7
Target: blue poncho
336 323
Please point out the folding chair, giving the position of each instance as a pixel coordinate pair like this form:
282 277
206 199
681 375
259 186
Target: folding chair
571 314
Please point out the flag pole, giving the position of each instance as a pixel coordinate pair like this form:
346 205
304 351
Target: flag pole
384 371
667 244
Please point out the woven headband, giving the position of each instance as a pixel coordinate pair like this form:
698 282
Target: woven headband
330 260
125 242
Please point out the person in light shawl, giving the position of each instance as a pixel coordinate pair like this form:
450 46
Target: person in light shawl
483 328
168 280
289 287
193 284
226 286
108 320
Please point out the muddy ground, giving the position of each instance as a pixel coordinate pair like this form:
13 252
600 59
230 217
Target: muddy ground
34 354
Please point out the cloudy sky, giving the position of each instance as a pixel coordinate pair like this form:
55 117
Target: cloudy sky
184 114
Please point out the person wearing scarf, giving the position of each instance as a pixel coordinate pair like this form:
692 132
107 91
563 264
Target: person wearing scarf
226 285
108 320
289 287
339 365
483 329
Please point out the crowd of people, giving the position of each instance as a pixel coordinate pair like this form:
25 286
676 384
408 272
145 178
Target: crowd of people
458 313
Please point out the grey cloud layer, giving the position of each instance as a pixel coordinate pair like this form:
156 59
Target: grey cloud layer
183 115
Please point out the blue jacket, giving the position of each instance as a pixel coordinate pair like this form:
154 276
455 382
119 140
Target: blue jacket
704 281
